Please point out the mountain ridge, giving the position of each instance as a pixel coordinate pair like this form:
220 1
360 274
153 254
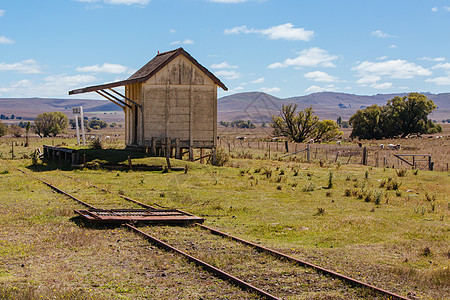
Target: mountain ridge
255 106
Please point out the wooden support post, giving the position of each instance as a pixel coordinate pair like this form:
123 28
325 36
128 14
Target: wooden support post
130 165
286 146
12 150
84 160
308 153
229 148
269 151
430 166
178 152
153 147
168 148
202 154
191 153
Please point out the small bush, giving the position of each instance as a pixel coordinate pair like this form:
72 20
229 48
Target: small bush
347 193
308 188
401 173
320 211
221 157
96 144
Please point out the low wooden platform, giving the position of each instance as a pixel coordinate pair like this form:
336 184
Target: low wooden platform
120 216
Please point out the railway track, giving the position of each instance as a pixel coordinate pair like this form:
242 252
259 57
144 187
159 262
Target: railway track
248 265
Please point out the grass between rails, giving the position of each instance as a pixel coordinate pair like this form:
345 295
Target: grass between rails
393 238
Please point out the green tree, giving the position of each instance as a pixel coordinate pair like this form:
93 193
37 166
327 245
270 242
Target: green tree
3 129
367 122
327 130
96 123
410 114
401 116
51 123
295 126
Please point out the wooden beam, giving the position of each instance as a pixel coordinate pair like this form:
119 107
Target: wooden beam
106 97
117 99
126 98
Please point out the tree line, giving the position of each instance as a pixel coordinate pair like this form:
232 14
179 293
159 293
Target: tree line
51 124
400 117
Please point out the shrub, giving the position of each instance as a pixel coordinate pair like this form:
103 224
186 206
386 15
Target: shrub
308 188
401 173
96 144
221 157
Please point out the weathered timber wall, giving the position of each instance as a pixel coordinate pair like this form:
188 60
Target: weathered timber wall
179 101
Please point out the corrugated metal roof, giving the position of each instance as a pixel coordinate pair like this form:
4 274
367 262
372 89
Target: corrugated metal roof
149 70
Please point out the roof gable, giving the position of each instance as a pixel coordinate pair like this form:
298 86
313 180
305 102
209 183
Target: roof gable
150 69
163 59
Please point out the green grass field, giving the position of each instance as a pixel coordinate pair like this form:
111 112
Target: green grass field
375 224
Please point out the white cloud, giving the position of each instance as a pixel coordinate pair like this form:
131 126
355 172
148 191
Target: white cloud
4 40
105 68
51 86
393 46
369 79
259 80
445 66
320 76
381 34
400 69
126 2
312 57
223 65
172 31
440 80
427 58
2 12
434 9
228 74
382 57
382 85
185 42
285 31
28 66
447 8
239 88
270 90
317 89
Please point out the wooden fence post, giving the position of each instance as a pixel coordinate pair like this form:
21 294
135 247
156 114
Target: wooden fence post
364 156
308 153
286 145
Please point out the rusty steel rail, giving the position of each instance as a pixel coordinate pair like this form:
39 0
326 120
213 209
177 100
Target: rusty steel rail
217 272
223 275
303 263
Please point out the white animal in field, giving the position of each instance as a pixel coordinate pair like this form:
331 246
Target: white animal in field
394 147
338 143
311 141
107 137
381 146
241 138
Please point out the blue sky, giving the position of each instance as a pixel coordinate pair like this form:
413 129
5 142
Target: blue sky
285 48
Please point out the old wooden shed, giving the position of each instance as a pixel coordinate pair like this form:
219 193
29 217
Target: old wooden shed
170 103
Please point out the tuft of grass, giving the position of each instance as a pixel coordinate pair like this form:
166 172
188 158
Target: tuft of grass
308 188
320 211
401 172
330 180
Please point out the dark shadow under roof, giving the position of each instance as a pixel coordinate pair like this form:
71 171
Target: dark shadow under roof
150 69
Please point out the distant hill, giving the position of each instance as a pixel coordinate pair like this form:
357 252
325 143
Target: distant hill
259 106
255 106
29 108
